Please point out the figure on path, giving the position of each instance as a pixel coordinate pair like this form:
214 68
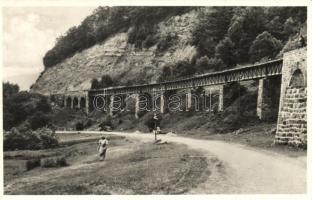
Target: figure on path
156 125
102 147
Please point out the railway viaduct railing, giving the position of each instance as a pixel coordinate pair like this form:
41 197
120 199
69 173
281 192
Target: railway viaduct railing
257 71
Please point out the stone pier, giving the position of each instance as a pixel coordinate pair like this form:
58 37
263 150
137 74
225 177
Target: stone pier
292 118
221 99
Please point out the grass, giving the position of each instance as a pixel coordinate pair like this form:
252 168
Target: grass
19 162
258 136
146 169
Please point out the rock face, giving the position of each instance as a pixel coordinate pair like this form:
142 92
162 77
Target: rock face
121 60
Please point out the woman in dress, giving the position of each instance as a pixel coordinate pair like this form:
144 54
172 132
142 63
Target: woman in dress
102 147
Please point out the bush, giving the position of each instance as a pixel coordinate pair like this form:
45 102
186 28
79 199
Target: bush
205 64
47 138
38 120
30 164
79 126
226 52
107 124
19 106
33 140
57 161
166 42
265 45
88 123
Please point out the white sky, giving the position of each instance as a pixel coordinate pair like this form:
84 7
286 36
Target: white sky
28 33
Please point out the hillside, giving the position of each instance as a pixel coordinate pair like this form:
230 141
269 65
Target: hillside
121 60
137 45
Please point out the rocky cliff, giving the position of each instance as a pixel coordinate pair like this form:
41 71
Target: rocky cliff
121 60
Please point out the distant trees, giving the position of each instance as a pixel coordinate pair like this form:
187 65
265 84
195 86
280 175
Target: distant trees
9 89
223 36
246 34
226 52
21 106
264 46
212 27
104 22
106 81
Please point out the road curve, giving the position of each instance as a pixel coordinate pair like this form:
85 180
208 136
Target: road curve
248 170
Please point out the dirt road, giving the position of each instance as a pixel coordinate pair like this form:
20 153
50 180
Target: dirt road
247 170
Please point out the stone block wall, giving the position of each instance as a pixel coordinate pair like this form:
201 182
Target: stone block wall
292 118
292 129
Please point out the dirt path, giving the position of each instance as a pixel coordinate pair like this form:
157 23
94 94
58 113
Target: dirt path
247 170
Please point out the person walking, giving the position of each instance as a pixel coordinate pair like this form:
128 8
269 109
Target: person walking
102 147
156 125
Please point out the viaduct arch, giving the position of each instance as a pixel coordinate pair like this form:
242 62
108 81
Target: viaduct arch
289 73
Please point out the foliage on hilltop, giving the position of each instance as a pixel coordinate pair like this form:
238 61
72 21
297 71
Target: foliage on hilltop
227 36
247 34
106 21
223 36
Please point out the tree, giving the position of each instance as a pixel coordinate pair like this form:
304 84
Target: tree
213 25
205 64
95 84
21 106
245 25
106 81
9 89
38 120
265 45
226 52
183 69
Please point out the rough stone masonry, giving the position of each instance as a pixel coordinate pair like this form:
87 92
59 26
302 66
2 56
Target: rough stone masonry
292 117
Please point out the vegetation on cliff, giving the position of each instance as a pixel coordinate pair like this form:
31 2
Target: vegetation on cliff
223 36
106 21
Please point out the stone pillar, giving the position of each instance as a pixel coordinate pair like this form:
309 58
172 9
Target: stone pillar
268 97
162 102
72 103
111 106
65 103
79 100
87 104
188 99
260 105
137 104
210 101
221 93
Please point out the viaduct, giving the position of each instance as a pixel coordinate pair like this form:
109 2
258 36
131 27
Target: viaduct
291 105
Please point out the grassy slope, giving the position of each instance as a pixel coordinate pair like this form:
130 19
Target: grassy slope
129 169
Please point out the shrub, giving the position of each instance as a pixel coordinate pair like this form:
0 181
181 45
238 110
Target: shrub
205 64
19 106
226 52
88 123
166 42
30 164
47 138
106 124
38 120
40 139
57 161
79 126
265 45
